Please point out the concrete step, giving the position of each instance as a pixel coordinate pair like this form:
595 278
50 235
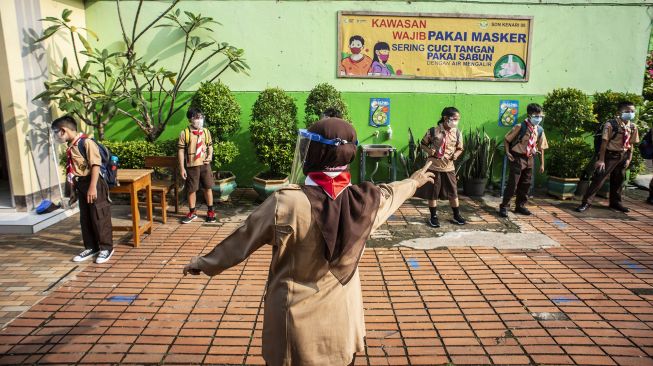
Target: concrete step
31 222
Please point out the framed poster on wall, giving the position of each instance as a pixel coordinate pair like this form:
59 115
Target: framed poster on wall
433 46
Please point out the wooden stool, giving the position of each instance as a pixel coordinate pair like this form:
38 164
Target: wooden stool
163 186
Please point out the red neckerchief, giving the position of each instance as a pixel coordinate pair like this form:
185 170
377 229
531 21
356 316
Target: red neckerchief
199 146
532 139
443 147
70 170
626 141
332 186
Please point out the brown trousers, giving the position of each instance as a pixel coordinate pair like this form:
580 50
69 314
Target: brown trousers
519 180
615 169
95 218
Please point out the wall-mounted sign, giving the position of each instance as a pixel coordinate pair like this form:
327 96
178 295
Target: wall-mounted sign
379 112
508 112
433 46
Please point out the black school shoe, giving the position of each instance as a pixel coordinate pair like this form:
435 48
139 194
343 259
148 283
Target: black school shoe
458 220
434 222
619 207
503 211
583 207
523 211
649 200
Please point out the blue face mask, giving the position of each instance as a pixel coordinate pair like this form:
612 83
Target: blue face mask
628 116
536 120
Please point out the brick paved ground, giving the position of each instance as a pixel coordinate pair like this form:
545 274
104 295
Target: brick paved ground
471 305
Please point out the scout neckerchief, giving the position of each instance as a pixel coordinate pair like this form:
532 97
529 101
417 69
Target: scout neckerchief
443 147
199 146
70 169
626 141
333 183
532 139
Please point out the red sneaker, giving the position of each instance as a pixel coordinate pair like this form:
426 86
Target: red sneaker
210 216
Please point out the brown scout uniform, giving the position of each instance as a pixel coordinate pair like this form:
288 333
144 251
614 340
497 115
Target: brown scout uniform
94 218
310 318
521 168
445 183
198 170
616 155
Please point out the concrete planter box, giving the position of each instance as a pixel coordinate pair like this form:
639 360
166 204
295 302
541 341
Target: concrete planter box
562 188
265 187
224 184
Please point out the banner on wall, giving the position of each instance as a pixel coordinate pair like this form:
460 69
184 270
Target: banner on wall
379 112
508 112
433 46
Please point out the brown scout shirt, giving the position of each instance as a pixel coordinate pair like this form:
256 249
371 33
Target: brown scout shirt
454 144
190 151
82 167
521 146
617 143
310 318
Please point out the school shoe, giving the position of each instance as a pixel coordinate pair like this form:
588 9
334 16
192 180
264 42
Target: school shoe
523 211
85 255
649 200
503 211
583 207
210 216
458 220
189 218
103 256
434 222
619 207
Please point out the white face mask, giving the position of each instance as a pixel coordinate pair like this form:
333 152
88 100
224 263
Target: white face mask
452 123
628 116
536 120
198 123
59 136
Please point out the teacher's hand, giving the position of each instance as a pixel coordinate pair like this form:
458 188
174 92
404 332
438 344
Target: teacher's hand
423 176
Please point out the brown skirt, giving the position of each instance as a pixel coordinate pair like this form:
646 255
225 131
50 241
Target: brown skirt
444 187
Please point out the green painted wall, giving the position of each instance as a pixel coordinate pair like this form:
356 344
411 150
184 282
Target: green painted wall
293 44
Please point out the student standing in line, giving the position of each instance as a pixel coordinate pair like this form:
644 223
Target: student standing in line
195 154
443 144
83 175
522 143
615 154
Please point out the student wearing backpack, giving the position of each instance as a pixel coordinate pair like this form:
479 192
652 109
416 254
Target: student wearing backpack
615 151
646 152
522 143
443 144
195 155
83 166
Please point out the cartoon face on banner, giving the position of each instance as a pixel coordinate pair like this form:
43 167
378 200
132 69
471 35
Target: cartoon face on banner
433 46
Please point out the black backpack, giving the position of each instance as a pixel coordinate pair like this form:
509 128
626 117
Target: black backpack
432 132
109 166
646 146
522 133
598 134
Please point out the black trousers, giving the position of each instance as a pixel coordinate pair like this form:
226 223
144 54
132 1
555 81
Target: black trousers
519 180
95 218
615 170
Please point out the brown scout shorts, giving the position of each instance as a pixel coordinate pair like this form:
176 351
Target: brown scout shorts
444 187
197 176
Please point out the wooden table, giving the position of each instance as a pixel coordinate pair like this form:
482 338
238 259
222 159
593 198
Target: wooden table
131 181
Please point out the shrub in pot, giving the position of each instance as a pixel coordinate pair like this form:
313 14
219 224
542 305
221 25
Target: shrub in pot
477 160
222 118
565 161
321 97
273 130
569 112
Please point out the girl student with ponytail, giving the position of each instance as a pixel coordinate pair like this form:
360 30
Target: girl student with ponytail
443 144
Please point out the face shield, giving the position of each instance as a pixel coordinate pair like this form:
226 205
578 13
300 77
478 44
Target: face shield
304 141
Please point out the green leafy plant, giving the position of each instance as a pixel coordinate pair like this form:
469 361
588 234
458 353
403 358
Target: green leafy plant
151 90
220 107
321 97
416 156
273 130
567 158
605 104
645 116
478 156
569 112
131 154
224 152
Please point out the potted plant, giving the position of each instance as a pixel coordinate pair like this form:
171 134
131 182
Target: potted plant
569 115
321 97
477 161
222 119
273 130
566 159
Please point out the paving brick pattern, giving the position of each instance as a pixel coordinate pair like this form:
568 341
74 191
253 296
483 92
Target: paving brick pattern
423 307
